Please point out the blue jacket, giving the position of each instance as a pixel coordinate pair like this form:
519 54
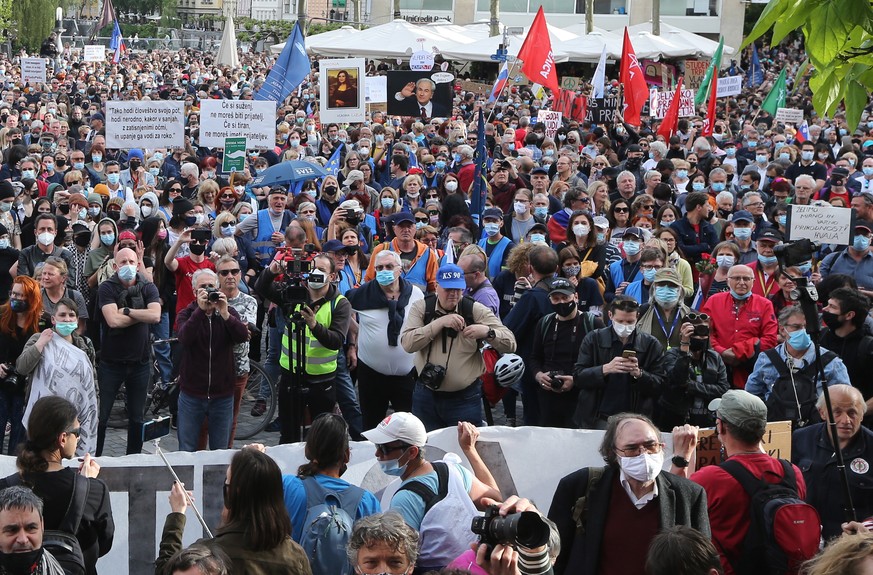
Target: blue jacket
692 243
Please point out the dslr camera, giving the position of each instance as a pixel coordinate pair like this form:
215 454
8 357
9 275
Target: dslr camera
12 382
556 383
527 529
296 265
432 376
213 295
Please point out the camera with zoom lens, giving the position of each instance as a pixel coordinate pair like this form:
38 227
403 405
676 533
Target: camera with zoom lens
213 295
432 376
555 382
527 529
12 380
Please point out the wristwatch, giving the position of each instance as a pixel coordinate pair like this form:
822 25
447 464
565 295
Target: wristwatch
491 334
126 311
680 461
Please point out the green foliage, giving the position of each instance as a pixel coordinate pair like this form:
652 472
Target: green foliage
35 20
280 29
838 36
5 15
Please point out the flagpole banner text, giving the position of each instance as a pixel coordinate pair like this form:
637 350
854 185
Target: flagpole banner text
145 124
411 92
789 116
729 86
551 119
601 110
376 93
342 90
823 224
253 119
659 103
695 70
33 70
94 53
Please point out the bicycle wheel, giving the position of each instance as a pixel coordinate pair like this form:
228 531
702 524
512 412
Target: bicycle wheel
258 405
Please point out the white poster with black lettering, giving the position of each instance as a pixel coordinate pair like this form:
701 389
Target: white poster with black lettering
253 119
342 90
551 119
145 124
33 70
821 224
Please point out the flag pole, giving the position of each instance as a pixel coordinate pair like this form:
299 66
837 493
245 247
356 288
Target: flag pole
503 89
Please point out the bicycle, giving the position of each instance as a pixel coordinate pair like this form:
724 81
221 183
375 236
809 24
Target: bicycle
256 410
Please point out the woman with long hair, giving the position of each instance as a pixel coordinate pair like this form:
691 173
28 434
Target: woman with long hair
255 530
583 237
344 92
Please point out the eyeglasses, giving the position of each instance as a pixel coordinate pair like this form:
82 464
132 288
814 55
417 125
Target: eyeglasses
200 242
599 165
379 268
175 190
77 431
206 286
622 210
744 279
648 207
650 267
225 273
583 200
694 317
755 204
387 448
651 447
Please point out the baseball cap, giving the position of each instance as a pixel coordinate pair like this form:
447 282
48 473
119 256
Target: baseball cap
332 246
864 225
278 190
561 285
668 275
770 235
399 426
601 222
743 216
741 409
492 213
451 276
402 217
539 171
634 231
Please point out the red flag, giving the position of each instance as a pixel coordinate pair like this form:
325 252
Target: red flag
709 122
631 76
671 120
536 52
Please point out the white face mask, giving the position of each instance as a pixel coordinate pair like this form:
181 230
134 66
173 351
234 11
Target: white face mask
622 330
46 238
644 467
581 229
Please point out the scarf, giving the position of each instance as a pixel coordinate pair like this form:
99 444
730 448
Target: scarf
371 296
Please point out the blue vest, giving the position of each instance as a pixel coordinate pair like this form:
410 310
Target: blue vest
635 290
263 244
495 260
346 280
417 274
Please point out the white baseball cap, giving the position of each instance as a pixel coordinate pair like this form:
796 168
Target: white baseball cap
399 426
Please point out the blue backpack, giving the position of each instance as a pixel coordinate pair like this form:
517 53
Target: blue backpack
327 529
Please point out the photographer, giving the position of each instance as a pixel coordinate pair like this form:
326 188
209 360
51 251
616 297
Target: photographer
208 330
315 306
696 375
128 304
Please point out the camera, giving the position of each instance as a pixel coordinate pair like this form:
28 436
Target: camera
296 265
556 383
213 295
432 376
12 382
795 253
527 529
354 217
700 321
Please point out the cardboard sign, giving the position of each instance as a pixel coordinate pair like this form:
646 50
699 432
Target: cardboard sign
659 103
254 120
551 119
729 86
695 70
94 53
658 73
777 443
33 70
571 83
789 115
145 124
823 224
234 159
601 110
475 87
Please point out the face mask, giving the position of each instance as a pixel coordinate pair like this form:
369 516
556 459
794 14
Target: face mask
666 295
93 212
78 165
162 234
492 229
22 562
631 248
643 467
520 207
114 215
18 306
6 207
107 239
113 178
601 238
665 224
366 152
154 171
146 211
379 138
457 158
564 309
761 158
861 243
190 220
451 186
681 174
4 244
197 249
868 170
96 158
385 277
752 144
127 273
823 156
745 296
25 174
537 239
831 320
541 211
717 186
807 156
314 282
581 230
742 233
392 467
767 260
419 225
781 220
724 261
799 340
731 152
805 267
622 330
228 231
698 186
65 328
649 275
46 238
571 271
387 203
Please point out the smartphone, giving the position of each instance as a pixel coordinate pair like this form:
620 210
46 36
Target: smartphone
629 354
156 428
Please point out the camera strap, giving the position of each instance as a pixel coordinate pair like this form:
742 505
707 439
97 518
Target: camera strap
430 347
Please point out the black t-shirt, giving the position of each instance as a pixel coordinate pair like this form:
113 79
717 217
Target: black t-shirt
129 343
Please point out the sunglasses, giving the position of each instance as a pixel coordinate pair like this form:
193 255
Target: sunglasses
622 210
227 197
225 273
77 431
423 220
228 224
697 317
200 242
175 190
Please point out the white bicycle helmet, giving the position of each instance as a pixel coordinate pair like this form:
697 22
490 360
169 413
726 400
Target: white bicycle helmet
508 369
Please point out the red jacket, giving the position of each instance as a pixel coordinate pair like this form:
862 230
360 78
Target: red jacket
752 330
465 177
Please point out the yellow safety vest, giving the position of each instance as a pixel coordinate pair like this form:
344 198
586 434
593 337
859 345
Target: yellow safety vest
319 359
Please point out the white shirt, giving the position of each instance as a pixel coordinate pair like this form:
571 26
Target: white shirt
642 501
373 348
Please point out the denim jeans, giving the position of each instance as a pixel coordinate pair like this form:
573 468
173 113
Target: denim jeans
239 388
163 355
192 412
347 397
135 377
12 411
445 409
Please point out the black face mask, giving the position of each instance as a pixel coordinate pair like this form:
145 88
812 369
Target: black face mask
831 320
113 215
197 249
64 208
82 240
698 344
134 165
329 190
564 309
190 220
22 563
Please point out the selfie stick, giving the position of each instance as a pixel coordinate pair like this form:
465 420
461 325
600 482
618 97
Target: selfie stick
185 491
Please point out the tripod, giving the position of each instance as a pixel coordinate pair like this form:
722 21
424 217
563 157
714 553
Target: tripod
293 390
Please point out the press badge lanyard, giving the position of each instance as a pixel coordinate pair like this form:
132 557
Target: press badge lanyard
664 329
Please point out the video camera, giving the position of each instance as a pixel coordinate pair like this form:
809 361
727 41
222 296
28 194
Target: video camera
527 529
296 265
795 253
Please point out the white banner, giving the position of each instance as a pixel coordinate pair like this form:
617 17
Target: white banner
65 371
94 53
789 115
729 86
342 90
253 119
551 119
659 103
145 124
376 89
33 70
822 224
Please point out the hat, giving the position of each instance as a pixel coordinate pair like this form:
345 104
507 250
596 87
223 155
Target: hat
333 246
399 426
668 275
864 225
601 222
634 231
79 228
355 176
135 153
126 235
78 200
350 205
743 216
538 227
6 190
451 276
95 198
401 217
561 285
492 213
770 235
278 190
101 189
539 170
97 116
634 148
181 206
741 409
842 172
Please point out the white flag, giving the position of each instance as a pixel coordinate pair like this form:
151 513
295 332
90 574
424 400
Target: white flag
599 78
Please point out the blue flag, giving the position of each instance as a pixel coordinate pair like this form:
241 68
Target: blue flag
480 185
333 164
413 161
290 69
755 75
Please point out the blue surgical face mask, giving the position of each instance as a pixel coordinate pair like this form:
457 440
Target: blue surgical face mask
784 156
78 165
761 158
649 275
666 295
440 164
805 267
97 158
665 224
767 260
228 231
717 186
631 248
698 186
868 170
681 174
385 277
492 229
392 466
127 273
457 158
601 237
387 203
807 156
781 219
107 239
4 243
752 144
779 145
537 238
65 328
541 211
724 261
731 152
799 340
242 217
742 233
113 178
25 174
861 243
735 295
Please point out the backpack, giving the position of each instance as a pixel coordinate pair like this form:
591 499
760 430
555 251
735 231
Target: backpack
426 493
62 542
793 395
466 308
328 526
784 531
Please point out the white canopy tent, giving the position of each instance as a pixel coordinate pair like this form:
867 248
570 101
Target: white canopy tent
647 45
227 55
323 39
481 50
395 39
588 47
693 44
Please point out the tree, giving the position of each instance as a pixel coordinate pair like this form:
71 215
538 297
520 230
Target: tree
35 20
838 36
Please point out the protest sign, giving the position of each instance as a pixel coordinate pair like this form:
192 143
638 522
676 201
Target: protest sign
729 86
420 94
551 119
33 70
789 116
145 124
376 90
601 110
658 73
254 120
571 83
340 87
94 53
421 61
475 87
776 443
694 72
234 158
823 224
659 103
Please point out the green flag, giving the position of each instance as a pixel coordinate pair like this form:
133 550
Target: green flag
715 64
776 97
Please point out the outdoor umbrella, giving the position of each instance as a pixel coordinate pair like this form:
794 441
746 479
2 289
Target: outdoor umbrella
289 172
